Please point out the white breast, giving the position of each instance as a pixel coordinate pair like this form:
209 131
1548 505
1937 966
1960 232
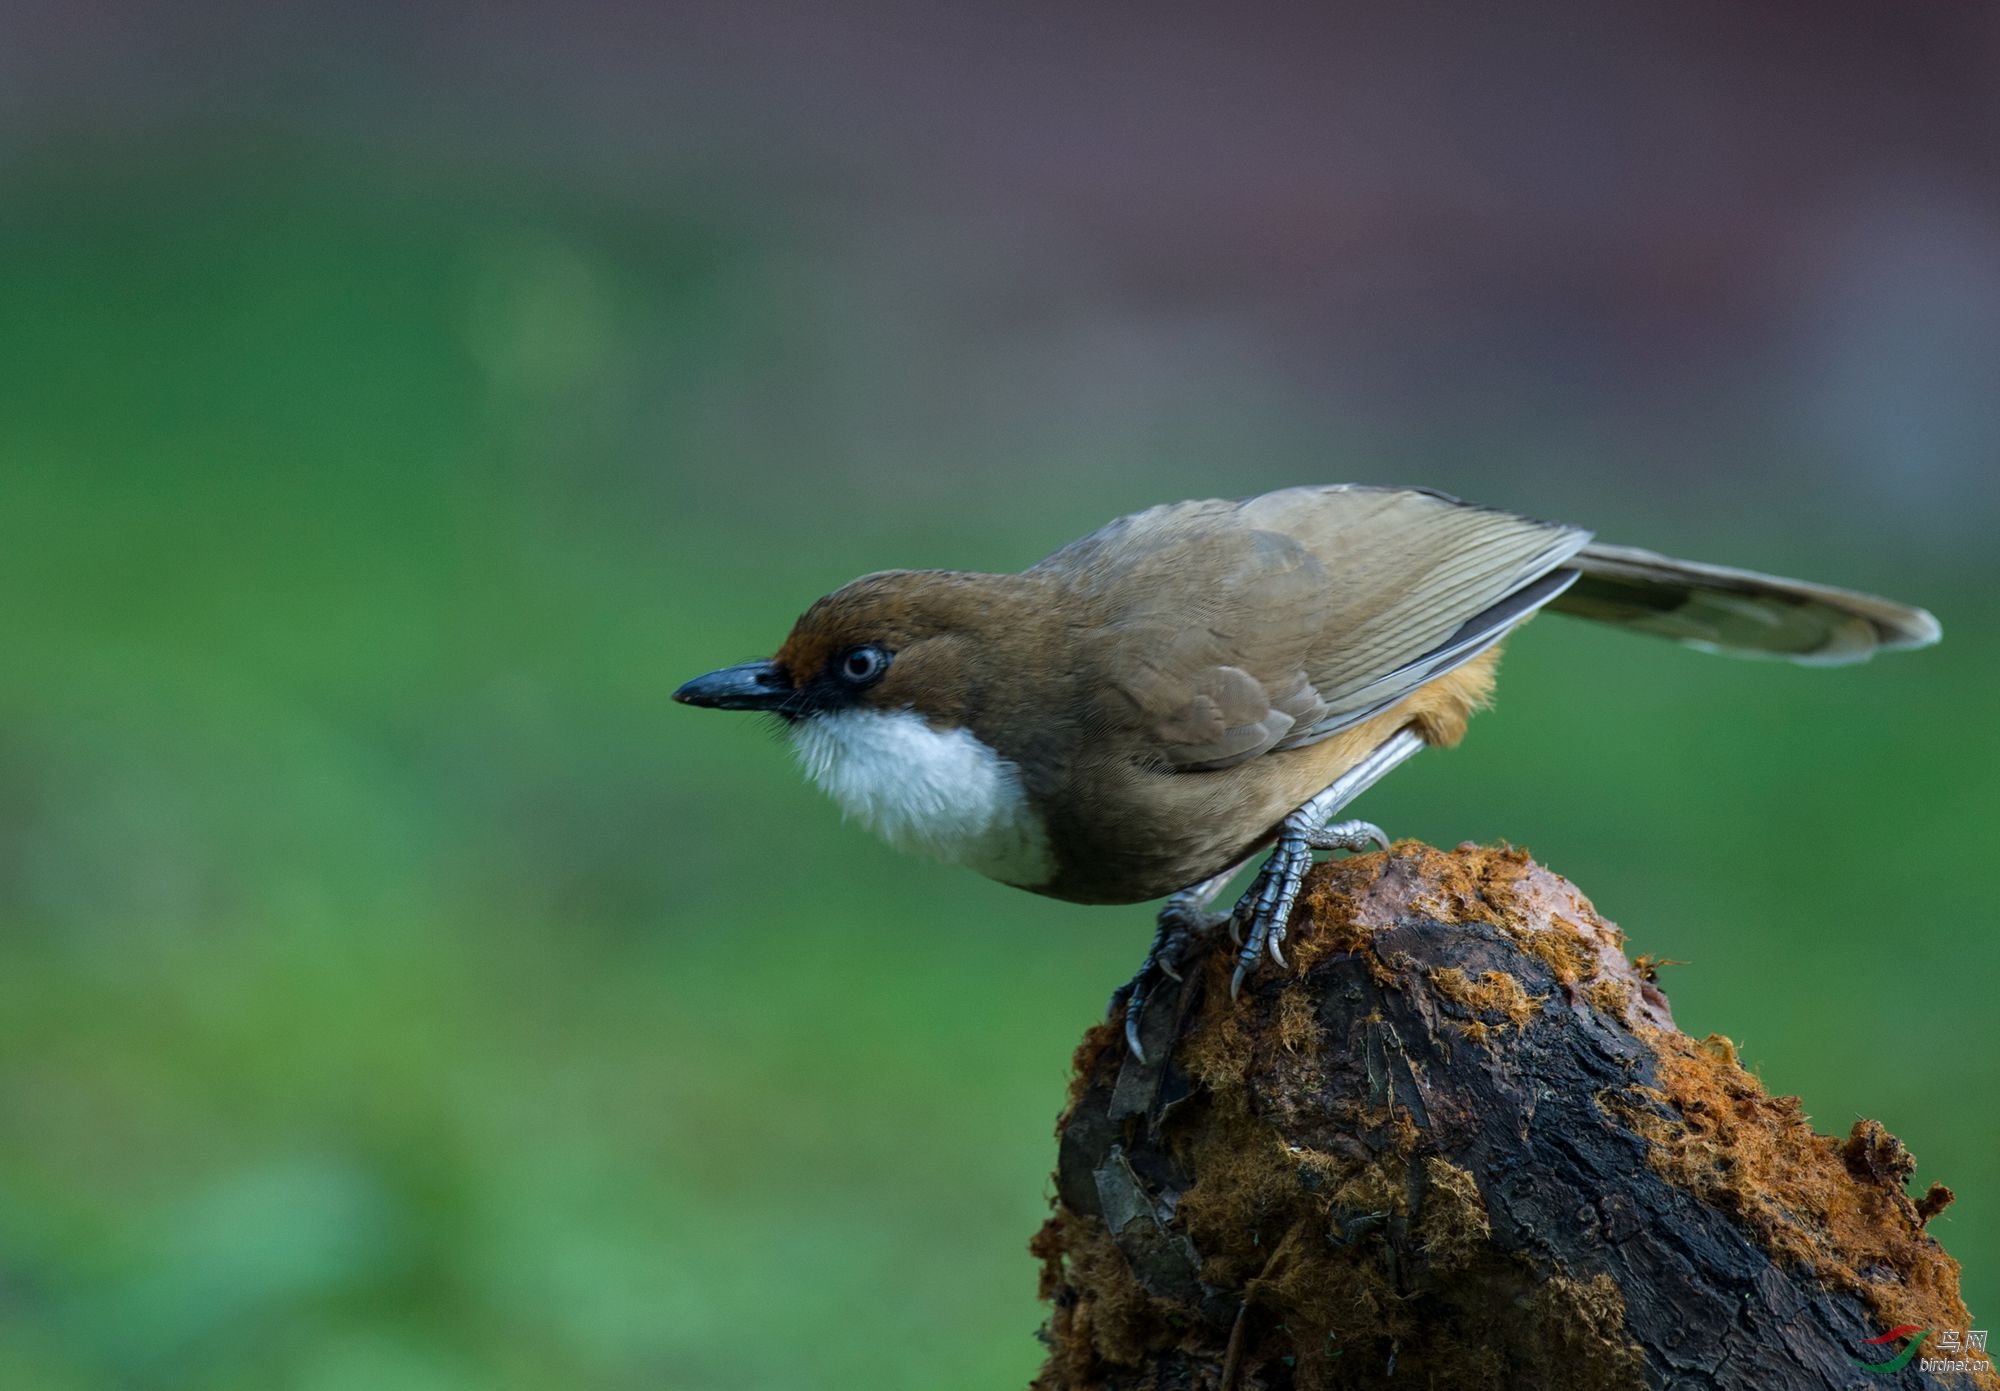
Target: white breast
940 794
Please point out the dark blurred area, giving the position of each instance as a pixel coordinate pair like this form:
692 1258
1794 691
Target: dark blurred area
397 402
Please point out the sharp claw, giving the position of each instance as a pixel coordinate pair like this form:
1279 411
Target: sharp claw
1258 922
1167 970
1132 1044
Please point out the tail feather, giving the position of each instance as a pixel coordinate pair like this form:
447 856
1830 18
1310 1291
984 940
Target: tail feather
1738 611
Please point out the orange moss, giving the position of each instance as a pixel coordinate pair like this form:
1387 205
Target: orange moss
1458 885
1452 1225
1102 1314
1473 884
1251 1190
1083 1063
1219 1051
1298 1023
1495 992
1498 880
1285 1225
1837 1207
1581 1324
1328 922
1608 996
1561 948
1720 1047
1264 1214
1935 1200
1649 966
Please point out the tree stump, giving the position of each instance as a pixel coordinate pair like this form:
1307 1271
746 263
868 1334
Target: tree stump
1461 1144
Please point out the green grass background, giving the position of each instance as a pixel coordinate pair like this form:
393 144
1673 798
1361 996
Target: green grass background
397 993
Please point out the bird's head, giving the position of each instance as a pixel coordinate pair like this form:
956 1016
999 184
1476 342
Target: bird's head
901 640
892 688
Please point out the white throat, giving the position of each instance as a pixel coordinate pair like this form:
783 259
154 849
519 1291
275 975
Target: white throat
940 794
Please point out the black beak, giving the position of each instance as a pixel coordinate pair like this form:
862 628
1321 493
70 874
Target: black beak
752 686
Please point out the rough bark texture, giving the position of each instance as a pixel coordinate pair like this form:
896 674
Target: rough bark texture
1461 1144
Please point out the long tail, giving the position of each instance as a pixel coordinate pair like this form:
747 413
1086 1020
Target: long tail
1739 611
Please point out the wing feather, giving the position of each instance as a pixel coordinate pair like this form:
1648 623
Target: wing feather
1729 610
1225 630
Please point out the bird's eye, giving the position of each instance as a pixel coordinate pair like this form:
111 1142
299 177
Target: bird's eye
860 665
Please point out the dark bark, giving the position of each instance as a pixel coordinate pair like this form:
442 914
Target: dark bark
1462 1144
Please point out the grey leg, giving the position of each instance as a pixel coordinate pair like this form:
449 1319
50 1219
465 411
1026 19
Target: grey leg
1184 917
1265 909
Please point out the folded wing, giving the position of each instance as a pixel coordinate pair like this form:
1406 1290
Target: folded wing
1226 630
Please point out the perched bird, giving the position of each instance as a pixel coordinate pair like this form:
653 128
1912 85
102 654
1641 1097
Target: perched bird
1146 709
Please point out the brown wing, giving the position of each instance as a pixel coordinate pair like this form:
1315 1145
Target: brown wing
1224 630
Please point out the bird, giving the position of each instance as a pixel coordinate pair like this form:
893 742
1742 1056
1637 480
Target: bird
1146 710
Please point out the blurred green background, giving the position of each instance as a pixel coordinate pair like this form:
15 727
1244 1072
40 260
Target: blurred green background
397 993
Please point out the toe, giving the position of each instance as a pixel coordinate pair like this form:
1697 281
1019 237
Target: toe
1132 1044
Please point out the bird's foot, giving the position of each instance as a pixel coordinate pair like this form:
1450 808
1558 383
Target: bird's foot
1259 921
1183 920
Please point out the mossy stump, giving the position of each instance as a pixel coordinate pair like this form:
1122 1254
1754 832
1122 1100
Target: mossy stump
1461 1144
